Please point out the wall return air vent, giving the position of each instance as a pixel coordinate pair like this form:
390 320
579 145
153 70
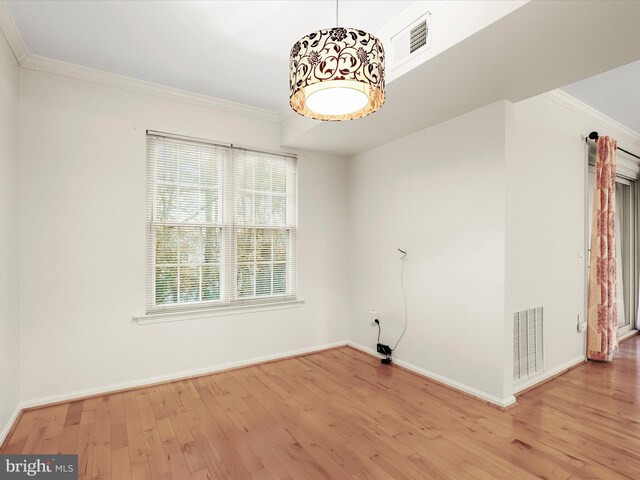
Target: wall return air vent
411 40
528 343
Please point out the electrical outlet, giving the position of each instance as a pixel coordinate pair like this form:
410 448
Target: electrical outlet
373 315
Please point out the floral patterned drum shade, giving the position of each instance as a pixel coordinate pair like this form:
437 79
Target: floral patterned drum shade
344 63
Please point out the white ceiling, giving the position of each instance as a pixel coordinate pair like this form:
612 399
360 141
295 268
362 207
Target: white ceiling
236 50
615 93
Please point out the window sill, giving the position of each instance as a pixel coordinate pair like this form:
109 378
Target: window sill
182 315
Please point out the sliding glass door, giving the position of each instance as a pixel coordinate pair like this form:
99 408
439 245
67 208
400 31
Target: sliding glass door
626 245
625 254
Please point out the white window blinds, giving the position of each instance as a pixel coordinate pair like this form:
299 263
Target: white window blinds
221 224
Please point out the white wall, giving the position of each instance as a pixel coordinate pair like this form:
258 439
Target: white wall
491 208
439 194
461 197
82 204
546 167
9 321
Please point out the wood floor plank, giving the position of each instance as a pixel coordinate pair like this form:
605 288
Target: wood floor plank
229 429
229 453
69 439
141 471
158 464
339 414
177 463
117 414
55 429
202 474
85 448
15 443
73 414
101 466
103 421
38 435
135 435
120 464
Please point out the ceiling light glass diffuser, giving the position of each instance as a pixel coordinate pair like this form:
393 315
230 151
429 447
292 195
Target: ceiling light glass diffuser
337 74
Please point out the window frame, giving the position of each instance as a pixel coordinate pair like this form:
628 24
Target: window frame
229 301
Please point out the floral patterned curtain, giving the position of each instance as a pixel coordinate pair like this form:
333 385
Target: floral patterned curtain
602 316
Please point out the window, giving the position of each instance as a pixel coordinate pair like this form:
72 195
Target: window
221 224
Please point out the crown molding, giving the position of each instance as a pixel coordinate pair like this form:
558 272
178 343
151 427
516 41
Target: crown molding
609 124
11 33
57 67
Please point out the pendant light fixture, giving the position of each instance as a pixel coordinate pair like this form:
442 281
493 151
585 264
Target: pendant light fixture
336 74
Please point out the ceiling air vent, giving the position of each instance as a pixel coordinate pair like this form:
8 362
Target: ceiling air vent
411 40
418 36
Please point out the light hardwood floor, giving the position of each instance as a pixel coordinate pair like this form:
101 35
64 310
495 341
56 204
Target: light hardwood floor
339 414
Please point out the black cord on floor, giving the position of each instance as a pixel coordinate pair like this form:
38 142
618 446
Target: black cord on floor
404 296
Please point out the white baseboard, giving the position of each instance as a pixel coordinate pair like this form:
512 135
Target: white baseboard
530 382
487 397
65 397
7 428
629 334
106 389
